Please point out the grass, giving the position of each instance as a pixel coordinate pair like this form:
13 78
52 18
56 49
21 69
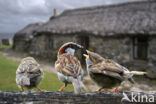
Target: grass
7 77
5 46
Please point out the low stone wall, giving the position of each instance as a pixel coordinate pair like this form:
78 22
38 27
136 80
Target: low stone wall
71 98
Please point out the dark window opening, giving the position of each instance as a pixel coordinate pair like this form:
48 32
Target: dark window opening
140 47
84 41
50 42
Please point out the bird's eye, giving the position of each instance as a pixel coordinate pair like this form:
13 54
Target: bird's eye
70 45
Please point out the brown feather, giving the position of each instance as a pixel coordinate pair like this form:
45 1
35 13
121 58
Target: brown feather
68 65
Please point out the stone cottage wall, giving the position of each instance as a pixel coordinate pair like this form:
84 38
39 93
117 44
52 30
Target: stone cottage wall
40 45
116 48
152 57
120 49
21 43
152 49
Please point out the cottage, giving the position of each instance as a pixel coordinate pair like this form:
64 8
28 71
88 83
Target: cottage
124 32
21 40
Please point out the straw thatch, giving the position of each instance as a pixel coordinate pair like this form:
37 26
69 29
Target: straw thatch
126 18
27 32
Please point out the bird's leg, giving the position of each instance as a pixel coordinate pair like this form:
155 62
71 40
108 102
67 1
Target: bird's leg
114 90
117 89
99 90
63 87
40 89
22 89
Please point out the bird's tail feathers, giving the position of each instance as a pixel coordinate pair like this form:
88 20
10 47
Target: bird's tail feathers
25 81
135 72
129 74
78 86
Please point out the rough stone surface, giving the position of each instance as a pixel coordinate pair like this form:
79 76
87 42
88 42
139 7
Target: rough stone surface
70 98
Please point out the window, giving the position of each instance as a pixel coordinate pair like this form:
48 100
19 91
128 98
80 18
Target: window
140 47
50 42
84 41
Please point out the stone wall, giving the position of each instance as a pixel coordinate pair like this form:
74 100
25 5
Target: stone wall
38 45
120 49
152 58
21 43
116 48
70 98
47 45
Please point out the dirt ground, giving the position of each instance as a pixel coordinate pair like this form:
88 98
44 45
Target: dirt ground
49 67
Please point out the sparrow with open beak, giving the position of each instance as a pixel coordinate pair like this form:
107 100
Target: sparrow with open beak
107 73
29 74
68 67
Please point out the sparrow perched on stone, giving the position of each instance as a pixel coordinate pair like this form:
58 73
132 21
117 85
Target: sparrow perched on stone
29 74
68 67
107 73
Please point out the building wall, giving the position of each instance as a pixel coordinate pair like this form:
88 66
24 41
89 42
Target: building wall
151 69
152 49
47 46
21 43
118 49
38 45
121 50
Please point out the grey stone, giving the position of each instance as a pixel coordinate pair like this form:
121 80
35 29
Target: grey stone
69 98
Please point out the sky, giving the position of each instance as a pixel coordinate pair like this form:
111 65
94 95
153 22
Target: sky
16 14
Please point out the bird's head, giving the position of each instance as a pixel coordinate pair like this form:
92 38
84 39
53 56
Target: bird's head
69 48
92 58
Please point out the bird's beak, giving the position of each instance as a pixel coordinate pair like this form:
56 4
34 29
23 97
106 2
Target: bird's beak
86 56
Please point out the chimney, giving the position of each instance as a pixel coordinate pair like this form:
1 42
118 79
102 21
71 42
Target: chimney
55 12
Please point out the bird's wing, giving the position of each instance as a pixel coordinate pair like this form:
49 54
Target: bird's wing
68 65
102 70
108 65
30 66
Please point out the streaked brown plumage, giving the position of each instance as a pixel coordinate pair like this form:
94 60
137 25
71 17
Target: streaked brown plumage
68 67
107 73
29 74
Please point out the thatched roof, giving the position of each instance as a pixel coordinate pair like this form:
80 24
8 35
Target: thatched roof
28 32
29 29
126 18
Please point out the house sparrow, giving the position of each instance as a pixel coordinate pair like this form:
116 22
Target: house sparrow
68 67
107 73
29 74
